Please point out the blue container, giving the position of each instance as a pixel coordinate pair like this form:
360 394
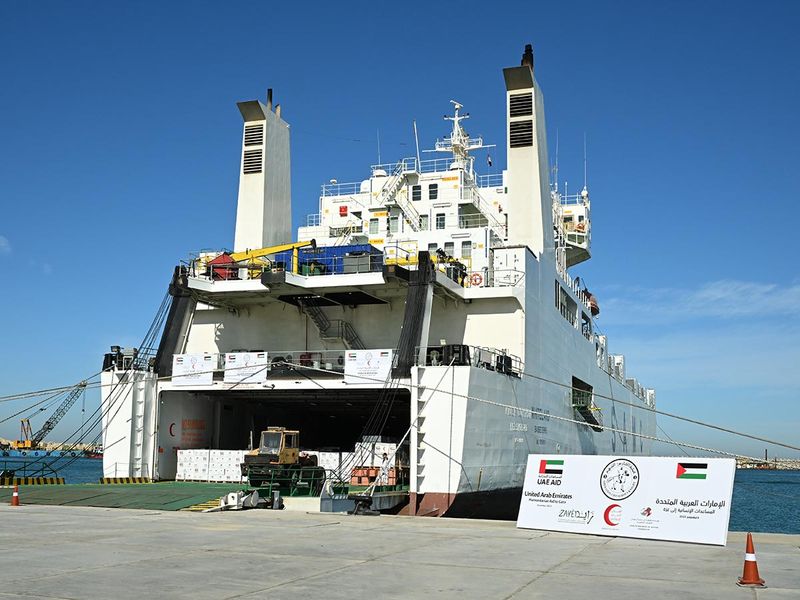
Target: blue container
327 260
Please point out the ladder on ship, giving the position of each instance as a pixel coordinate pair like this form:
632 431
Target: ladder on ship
336 330
393 193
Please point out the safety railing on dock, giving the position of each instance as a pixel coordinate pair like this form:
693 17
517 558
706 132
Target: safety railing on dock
10 469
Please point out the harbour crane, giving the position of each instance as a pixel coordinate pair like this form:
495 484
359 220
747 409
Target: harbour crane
31 442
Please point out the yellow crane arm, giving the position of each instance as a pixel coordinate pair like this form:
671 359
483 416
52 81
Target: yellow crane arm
250 254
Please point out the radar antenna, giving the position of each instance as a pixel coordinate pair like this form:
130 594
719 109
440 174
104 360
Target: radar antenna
458 142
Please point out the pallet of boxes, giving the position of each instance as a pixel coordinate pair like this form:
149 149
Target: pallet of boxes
369 462
218 466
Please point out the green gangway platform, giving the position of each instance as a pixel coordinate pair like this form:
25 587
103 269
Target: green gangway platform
167 495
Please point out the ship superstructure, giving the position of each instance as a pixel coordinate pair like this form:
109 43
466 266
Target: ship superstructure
425 304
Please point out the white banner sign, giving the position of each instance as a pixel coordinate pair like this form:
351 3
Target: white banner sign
193 369
367 367
680 499
246 367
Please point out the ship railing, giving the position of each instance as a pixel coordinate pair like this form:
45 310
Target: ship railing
472 221
506 278
573 200
120 469
412 165
471 193
349 188
347 263
287 364
401 253
491 180
308 265
573 285
463 355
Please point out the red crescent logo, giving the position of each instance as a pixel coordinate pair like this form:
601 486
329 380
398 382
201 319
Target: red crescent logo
613 519
172 429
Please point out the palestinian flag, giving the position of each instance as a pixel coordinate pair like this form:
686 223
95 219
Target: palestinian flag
691 470
551 467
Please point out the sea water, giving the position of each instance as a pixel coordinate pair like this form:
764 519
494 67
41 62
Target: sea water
73 470
765 501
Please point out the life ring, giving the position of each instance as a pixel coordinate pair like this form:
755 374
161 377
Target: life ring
475 280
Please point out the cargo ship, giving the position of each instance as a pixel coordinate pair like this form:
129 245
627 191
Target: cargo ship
424 304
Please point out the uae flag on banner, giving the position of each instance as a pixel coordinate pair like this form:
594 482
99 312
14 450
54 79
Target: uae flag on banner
551 467
691 470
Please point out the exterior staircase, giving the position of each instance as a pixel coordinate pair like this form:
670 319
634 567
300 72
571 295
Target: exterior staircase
337 330
390 195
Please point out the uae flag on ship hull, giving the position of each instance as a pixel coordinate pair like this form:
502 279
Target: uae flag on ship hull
551 467
691 470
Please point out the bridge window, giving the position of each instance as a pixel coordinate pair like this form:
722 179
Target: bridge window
416 192
566 305
432 249
433 191
423 222
466 249
394 224
373 226
586 326
450 248
439 220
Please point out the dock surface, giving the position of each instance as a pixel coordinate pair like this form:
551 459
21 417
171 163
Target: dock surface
73 552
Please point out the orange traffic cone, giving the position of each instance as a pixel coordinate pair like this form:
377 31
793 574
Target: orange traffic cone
15 496
750 576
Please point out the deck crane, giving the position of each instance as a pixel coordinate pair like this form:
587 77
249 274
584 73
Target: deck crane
31 442
222 265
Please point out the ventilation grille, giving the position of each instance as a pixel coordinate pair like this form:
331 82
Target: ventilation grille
253 161
520 105
521 134
253 135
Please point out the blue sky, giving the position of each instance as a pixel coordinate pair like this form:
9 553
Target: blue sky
119 153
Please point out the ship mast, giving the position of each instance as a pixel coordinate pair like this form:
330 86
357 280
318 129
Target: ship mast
458 142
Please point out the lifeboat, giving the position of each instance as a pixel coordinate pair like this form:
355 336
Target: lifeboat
591 300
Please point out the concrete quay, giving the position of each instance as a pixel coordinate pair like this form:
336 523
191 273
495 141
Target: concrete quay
60 552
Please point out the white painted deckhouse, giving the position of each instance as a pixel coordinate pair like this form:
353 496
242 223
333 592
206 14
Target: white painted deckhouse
424 298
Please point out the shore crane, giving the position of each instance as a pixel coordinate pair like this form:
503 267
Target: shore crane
31 442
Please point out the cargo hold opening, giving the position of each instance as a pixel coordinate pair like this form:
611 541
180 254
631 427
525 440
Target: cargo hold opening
329 420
